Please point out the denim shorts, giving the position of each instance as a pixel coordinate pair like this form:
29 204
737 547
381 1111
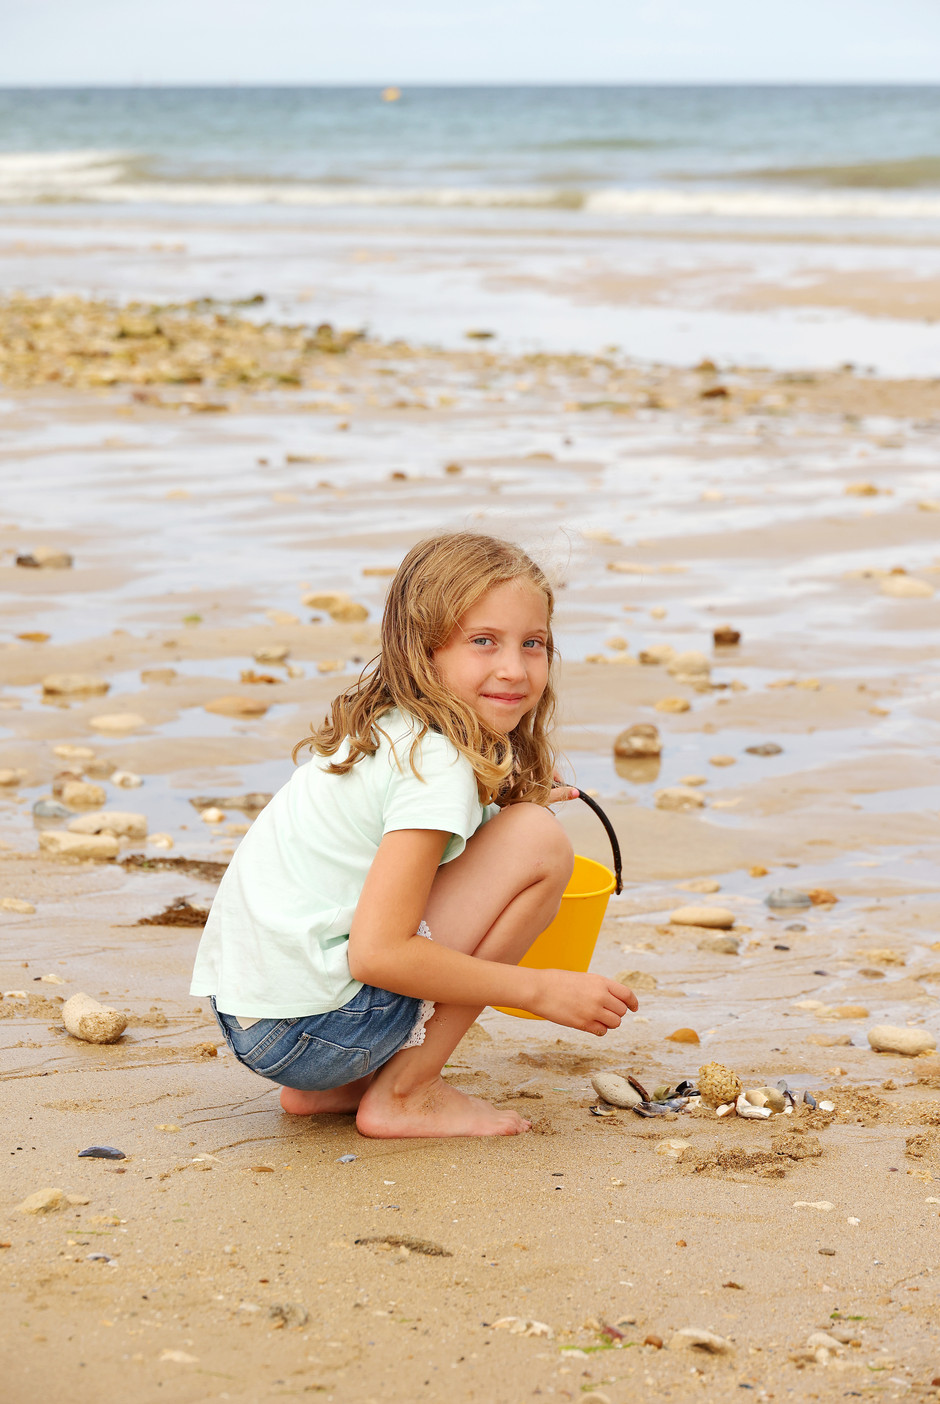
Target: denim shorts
315 1052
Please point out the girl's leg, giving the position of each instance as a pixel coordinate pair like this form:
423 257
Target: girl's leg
491 902
335 1099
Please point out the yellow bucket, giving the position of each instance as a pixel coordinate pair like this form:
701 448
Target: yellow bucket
568 943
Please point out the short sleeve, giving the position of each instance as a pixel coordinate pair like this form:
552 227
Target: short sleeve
444 798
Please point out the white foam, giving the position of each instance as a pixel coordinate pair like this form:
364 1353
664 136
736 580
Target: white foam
26 175
108 177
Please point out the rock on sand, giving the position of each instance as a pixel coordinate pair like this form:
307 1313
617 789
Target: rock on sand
92 1022
59 843
717 917
121 823
74 685
890 1038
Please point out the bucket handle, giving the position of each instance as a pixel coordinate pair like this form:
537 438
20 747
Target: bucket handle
614 843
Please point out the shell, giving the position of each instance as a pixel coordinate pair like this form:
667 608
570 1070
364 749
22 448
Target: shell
718 1084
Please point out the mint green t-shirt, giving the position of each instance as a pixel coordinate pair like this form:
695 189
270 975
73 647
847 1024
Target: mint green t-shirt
275 942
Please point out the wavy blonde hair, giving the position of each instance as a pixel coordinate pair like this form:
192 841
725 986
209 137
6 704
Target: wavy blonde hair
437 582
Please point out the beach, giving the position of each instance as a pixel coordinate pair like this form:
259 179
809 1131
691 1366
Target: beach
229 427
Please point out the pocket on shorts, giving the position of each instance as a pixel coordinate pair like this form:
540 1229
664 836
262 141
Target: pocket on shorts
317 1061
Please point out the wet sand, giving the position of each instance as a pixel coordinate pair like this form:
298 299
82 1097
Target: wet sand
246 1261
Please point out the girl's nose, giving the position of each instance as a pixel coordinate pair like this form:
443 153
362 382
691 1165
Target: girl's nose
511 664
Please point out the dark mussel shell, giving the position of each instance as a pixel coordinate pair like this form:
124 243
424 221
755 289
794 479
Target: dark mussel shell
102 1153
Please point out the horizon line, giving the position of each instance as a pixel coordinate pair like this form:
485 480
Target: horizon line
437 85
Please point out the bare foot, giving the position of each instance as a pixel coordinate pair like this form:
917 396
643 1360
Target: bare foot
336 1099
433 1110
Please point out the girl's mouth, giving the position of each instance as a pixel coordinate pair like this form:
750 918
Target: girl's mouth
510 698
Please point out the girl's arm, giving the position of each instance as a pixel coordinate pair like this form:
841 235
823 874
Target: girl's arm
385 951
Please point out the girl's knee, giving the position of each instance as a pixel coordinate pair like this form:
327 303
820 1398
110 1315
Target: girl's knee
541 839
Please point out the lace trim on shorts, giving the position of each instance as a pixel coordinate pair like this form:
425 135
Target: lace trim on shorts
416 1037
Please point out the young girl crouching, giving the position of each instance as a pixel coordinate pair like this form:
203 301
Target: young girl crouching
422 815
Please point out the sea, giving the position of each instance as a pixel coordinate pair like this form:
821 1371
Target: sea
856 153
506 204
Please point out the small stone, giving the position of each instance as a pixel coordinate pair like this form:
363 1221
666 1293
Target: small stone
673 704
890 1038
44 1201
74 685
92 1022
705 885
772 1097
161 840
16 904
212 815
720 945
643 739
272 653
656 655
693 781
718 917
101 1153
330 665
80 794
860 490
9 778
722 760
159 675
690 664
679 798
784 897
616 1090
725 636
236 706
695 1338
766 748
340 608
823 1338
118 822
45 558
126 779
847 1011
673 1149
640 981
906 587
523 1326
822 897
655 1341
683 1036
59 843
118 722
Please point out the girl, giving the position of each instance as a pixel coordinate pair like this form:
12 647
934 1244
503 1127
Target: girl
314 953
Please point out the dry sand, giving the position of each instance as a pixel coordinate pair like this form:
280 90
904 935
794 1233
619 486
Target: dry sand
242 1259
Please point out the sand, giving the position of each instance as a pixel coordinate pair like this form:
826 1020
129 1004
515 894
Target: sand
243 1259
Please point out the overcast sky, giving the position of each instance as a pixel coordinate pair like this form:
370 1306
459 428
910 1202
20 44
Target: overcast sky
461 41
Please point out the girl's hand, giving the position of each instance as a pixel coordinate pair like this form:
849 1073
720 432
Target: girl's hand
561 791
591 1003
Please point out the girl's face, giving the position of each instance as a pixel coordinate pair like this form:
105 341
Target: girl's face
496 659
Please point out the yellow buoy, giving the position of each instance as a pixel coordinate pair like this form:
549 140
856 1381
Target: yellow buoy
391 94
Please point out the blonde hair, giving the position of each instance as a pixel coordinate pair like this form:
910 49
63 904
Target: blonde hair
437 582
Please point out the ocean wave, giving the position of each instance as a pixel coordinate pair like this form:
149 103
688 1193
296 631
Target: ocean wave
31 174
114 177
910 173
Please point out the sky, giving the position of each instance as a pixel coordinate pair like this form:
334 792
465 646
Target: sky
62 42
